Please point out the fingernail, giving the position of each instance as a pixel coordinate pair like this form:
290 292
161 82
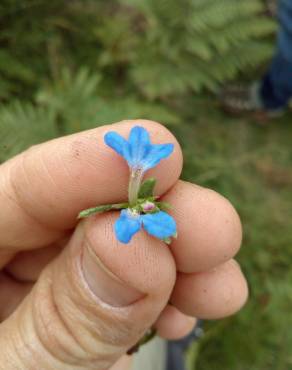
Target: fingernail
104 284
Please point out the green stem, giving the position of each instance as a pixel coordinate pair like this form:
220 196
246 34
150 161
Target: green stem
136 177
145 339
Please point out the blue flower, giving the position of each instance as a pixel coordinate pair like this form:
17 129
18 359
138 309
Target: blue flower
140 155
159 224
138 150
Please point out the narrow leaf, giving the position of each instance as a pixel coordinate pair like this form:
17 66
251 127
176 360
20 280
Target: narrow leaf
100 209
164 206
92 211
120 206
146 189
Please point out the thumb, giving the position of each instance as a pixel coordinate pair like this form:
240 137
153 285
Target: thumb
91 304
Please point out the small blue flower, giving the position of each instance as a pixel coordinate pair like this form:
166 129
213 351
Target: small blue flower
141 155
159 224
128 224
138 150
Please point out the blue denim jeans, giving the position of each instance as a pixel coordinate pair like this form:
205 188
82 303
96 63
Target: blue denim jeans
276 86
175 349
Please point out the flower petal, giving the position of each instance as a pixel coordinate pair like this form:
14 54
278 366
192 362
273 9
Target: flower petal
127 225
118 144
159 224
138 150
156 153
139 142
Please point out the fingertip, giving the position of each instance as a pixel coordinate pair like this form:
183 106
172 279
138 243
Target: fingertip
213 294
209 228
173 324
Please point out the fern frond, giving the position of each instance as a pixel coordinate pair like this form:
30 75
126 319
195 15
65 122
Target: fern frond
239 31
219 13
23 125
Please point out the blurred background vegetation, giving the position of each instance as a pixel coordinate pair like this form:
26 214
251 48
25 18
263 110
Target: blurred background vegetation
67 66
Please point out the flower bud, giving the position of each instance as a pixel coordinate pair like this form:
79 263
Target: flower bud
148 206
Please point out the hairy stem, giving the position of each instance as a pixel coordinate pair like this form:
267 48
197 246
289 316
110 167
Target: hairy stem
136 177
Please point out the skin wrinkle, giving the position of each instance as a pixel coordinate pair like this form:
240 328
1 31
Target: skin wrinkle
27 266
106 313
8 286
89 321
3 187
136 295
58 191
100 264
5 257
131 329
64 323
136 250
17 200
19 353
12 199
98 351
30 354
70 357
105 354
120 314
9 359
13 277
40 337
14 187
66 302
46 169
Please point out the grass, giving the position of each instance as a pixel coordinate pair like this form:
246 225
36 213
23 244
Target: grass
252 167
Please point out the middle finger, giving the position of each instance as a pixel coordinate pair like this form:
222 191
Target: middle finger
209 229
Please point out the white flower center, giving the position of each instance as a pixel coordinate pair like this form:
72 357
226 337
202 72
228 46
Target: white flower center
133 213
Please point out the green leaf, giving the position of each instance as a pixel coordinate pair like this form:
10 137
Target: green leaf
145 339
164 206
92 211
146 189
100 209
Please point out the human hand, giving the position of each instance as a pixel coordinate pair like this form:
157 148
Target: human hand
88 298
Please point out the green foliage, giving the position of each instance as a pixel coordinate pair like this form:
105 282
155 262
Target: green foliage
147 188
100 209
198 44
251 166
68 105
22 125
156 48
76 70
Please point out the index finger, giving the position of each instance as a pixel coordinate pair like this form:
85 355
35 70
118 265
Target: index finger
43 189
